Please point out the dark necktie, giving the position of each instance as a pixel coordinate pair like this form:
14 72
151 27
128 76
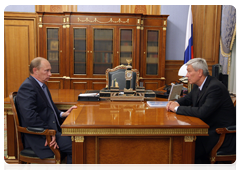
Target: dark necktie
44 87
198 93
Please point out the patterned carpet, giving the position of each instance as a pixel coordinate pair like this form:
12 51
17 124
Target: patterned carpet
221 166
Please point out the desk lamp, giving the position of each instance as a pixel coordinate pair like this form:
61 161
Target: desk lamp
183 72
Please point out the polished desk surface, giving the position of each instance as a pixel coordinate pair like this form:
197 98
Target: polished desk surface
139 114
112 132
92 116
98 123
113 114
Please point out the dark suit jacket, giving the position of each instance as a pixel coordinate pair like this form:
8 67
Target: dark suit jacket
214 106
35 111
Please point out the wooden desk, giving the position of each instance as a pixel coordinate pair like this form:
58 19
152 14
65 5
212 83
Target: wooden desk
131 132
120 132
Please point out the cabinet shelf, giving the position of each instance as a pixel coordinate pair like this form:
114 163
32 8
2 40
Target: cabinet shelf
80 39
102 63
78 62
53 38
79 51
53 61
90 47
53 50
102 51
103 39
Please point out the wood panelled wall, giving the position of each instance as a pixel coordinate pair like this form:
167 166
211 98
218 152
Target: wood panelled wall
144 9
206 33
20 43
56 8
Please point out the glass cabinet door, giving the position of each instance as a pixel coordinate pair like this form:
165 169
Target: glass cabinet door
102 50
53 48
152 52
79 51
125 45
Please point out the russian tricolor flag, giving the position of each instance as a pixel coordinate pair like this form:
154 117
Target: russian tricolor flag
188 54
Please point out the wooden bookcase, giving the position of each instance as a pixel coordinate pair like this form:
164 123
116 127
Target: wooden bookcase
81 46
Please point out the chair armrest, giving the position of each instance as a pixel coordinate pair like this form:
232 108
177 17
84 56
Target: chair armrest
30 130
41 131
230 129
33 129
222 132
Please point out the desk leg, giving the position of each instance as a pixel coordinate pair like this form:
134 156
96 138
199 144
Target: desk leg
189 149
77 149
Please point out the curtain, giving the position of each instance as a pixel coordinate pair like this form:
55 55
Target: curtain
232 73
228 33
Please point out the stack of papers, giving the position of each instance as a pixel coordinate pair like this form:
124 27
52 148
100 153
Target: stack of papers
157 103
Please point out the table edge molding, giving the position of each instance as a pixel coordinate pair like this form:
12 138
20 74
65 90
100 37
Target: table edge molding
129 131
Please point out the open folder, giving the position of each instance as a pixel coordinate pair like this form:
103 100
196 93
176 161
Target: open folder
157 103
174 94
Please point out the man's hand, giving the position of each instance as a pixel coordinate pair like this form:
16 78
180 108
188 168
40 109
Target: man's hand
171 105
65 114
52 143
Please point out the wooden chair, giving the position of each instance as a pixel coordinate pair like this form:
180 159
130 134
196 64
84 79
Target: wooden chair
28 155
119 73
218 155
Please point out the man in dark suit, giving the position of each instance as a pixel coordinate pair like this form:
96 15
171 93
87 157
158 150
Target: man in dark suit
36 109
210 101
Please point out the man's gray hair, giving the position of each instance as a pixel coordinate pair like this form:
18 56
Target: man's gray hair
35 63
199 63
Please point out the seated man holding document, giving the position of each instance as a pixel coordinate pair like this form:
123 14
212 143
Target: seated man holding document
210 101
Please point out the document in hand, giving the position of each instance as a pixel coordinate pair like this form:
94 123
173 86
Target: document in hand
157 103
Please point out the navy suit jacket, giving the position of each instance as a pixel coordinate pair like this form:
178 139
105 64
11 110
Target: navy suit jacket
35 111
214 106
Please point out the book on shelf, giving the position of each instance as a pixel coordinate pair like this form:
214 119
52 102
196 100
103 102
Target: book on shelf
157 103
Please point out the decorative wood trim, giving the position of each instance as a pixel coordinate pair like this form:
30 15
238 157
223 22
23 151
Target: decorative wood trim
102 22
114 131
189 138
19 15
79 138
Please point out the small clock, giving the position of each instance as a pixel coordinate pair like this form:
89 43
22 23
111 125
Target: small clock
128 74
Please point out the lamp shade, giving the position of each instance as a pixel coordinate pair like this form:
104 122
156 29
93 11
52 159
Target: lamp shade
183 70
